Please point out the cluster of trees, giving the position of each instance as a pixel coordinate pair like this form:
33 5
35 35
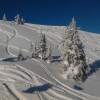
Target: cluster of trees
74 63
39 50
17 19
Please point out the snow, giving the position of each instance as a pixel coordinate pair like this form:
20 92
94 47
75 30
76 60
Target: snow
43 79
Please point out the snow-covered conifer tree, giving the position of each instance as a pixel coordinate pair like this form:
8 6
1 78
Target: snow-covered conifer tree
34 51
74 59
4 18
73 24
42 46
19 20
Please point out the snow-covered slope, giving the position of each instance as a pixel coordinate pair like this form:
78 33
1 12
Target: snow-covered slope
34 79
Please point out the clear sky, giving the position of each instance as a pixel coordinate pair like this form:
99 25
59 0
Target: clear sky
55 12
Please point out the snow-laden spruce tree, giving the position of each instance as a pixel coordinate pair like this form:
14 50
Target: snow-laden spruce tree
74 60
34 53
4 18
42 46
19 20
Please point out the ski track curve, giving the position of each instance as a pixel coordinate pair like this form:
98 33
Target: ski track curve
11 86
69 90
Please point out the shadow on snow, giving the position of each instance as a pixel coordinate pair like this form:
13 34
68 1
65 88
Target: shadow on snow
77 87
13 59
95 66
40 88
56 58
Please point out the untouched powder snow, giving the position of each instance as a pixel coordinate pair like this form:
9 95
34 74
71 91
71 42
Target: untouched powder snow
34 79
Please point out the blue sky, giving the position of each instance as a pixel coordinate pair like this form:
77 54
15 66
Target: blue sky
55 12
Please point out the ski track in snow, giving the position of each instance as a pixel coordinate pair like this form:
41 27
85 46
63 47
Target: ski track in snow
6 72
69 90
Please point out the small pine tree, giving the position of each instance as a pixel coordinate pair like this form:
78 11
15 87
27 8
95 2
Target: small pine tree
35 52
20 56
42 46
4 18
17 19
73 24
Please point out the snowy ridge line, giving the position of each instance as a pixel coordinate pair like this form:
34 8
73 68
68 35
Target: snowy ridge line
42 79
44 32
74 92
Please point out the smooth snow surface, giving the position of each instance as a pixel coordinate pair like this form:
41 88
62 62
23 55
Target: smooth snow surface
34 79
